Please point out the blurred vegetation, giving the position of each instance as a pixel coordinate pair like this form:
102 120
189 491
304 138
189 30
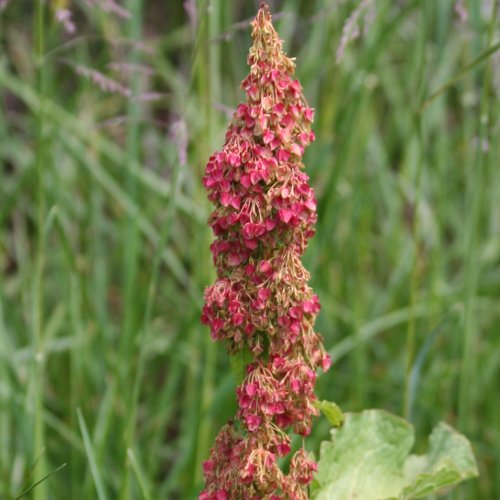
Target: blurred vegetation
105 128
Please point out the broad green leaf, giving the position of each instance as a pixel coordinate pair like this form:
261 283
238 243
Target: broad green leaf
448 461
365 458
331 411
368 459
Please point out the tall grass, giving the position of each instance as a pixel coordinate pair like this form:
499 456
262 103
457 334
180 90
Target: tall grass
104 249
37 371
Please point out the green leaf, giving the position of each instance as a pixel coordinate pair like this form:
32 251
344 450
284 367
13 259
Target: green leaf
32 487
368 459
89 449
448 461
441 90
139 474
331 411
239 362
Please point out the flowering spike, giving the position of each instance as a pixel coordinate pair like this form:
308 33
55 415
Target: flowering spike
264 215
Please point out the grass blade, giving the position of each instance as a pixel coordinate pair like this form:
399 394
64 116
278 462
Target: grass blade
33 486
446 86
89 450
139 475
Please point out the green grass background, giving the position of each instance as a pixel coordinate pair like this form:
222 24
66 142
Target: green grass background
104 249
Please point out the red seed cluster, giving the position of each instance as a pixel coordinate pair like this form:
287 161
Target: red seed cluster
264 215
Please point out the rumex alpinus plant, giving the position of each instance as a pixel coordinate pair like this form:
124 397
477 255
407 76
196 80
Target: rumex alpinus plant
261 303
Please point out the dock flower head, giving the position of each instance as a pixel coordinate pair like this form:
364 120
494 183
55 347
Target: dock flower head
264 215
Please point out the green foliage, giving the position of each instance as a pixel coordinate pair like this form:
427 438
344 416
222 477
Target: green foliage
331 411
89 449
239 362
367 459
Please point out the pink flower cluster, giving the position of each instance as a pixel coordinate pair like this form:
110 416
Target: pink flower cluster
245 469
278 392
264 215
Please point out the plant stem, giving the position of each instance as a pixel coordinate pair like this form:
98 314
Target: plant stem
131 235
414 279
39 493
148 310
211 96
476 187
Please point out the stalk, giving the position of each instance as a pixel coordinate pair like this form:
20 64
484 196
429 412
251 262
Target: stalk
131 239
414 279
131 233
148 310
205 427
40 492
476 187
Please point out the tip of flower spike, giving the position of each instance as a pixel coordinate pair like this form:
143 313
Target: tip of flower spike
263 15
267 45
